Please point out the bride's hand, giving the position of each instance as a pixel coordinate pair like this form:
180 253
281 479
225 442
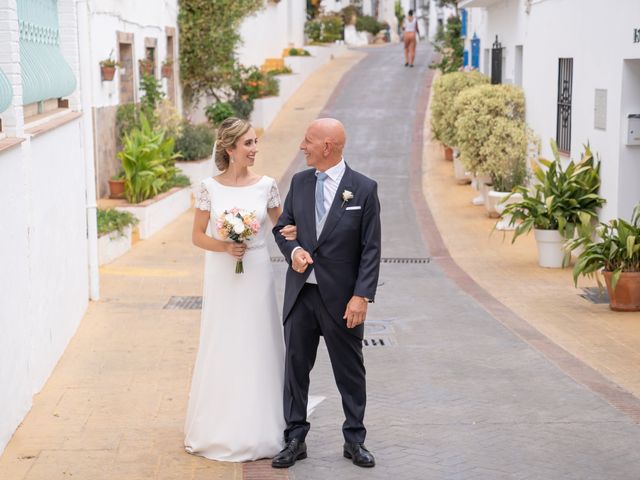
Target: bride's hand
236 250
290 232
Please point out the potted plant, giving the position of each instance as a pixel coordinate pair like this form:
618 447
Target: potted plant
477 112
443 115
116 186
506 152
167 68
563 203
148 161
114 233
616 254
108 68
147 66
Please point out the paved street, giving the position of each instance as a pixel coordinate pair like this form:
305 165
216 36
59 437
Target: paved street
457 396
452 393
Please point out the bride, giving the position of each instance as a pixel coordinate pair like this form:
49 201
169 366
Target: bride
235 405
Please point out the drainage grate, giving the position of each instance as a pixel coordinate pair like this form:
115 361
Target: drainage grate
377 342
415 260
184 303
595 295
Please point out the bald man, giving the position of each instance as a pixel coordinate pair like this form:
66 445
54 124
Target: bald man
334 267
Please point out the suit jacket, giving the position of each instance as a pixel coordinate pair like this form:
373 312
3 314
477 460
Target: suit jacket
346 255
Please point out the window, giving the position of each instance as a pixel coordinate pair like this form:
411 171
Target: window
46 76
563 122
125 58
6 93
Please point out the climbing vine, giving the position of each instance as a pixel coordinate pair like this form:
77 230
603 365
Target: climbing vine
209 39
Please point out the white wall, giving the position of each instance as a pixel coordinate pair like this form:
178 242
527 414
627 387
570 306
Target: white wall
143 18
43 249
601 44
267 33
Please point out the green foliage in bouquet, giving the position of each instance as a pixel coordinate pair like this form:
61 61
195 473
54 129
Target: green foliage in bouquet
477 110
445 90
616 250
563 199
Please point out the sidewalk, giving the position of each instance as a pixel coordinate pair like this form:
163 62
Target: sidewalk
546 298
114 406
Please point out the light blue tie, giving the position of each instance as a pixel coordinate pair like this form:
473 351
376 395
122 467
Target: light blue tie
320 209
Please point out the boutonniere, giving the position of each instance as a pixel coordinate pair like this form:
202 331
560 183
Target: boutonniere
346 196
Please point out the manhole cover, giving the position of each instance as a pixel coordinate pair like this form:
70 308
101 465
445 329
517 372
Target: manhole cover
378 342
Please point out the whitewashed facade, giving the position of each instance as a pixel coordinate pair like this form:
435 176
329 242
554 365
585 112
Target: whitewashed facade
46 166
586 72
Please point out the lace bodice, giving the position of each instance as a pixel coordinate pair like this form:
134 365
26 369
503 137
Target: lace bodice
217 198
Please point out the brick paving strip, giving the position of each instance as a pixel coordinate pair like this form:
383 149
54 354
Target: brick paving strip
618 397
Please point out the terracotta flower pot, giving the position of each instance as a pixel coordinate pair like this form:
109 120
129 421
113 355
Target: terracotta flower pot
116 188
626 297
448 154
167 70
107 73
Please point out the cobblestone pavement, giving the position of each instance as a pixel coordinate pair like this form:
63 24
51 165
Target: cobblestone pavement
456 395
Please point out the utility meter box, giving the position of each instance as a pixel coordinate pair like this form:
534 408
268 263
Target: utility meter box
633 129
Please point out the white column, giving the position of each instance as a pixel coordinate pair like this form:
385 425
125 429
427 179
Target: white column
12 118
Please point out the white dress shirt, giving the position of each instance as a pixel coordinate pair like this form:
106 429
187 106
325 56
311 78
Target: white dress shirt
331 185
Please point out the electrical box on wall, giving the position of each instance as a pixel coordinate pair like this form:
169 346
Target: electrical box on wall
633 129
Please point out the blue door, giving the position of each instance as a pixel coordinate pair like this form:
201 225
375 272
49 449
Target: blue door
475 52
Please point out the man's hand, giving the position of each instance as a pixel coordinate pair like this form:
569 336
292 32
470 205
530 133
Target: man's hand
301 260
356 311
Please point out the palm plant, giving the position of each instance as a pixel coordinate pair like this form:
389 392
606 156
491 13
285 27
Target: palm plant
147 160
616 251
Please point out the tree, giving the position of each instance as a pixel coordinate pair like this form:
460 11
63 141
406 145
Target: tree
449 3
209 39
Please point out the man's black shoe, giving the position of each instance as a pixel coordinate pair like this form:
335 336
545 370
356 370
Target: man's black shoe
294 450
359 454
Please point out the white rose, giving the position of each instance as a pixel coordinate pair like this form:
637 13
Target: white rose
230 218
238 228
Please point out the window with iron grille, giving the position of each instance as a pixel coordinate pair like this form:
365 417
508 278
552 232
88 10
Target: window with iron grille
565 86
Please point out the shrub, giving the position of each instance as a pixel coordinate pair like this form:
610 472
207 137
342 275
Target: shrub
127 118
478 108
218 112
298 52
369 24
153 94
348 12
112 220
256 84
242 107
506 152
450 45
195 142
169 118
445 90
178 180
280 71
325 29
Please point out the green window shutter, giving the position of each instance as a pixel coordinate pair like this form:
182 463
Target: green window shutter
6 92
45 73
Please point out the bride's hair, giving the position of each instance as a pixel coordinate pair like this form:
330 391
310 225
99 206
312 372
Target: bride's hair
230 130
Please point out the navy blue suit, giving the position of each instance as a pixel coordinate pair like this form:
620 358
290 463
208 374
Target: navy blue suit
346 263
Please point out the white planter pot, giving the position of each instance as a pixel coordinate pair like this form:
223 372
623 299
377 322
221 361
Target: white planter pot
462 177
112 245
479 183
551 253
156 213
498 198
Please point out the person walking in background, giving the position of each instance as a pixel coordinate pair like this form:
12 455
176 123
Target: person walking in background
410 39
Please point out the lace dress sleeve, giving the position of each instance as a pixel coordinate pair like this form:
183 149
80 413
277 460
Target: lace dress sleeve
274 196
203 200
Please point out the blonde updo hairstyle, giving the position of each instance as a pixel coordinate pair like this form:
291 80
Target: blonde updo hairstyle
230 130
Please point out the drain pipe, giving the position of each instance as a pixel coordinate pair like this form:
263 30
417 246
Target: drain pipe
86 85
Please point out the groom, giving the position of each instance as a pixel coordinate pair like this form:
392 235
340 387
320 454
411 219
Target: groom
335 262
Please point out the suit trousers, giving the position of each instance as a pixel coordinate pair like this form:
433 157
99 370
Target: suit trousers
308 320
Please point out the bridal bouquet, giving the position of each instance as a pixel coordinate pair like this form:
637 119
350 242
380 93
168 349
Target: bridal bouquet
238 225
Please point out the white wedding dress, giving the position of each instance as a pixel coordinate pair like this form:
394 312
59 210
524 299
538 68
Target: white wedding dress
235 408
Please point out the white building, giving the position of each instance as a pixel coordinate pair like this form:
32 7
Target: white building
581 78
46 162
